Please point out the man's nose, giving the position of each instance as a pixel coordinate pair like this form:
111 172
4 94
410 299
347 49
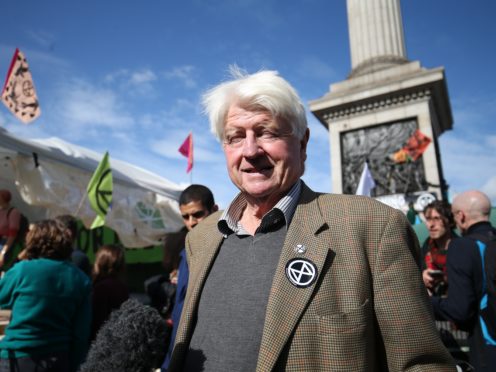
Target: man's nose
251 147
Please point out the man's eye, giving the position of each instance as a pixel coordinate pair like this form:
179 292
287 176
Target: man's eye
233 139
198 214
268 134
195 215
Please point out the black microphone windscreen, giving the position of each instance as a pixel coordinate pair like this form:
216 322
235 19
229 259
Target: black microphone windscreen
133 339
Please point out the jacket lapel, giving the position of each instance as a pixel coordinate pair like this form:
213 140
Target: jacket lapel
287 301
204 257
204 261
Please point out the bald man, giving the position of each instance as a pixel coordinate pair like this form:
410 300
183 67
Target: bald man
471 211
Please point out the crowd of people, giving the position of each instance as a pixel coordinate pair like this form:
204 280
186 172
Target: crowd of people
58 301
285 278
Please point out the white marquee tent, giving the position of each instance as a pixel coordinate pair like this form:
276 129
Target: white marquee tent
48 177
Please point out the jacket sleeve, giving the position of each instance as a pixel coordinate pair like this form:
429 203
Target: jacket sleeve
460 306
402 308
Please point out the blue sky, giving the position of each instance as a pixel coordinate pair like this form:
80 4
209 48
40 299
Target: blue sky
127 76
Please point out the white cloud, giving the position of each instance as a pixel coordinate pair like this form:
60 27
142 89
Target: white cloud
141 77
489 188
82 106
468 151
491 142
138 82
181 114
116 75
473 114
184 74
468 163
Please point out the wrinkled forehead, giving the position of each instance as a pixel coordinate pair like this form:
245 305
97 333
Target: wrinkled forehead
252 117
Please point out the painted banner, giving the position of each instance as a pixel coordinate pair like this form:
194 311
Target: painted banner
18 93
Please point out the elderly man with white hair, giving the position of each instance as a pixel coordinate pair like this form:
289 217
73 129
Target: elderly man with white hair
466 277
287 279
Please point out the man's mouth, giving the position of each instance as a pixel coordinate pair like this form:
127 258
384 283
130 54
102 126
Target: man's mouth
257 169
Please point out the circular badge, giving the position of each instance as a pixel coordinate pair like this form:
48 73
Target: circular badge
301 272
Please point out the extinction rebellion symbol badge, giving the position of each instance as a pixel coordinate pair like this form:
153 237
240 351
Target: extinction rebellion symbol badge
301 272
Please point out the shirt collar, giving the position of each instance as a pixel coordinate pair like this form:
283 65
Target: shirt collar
229 221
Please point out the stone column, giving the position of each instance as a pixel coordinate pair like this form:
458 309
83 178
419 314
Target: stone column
376 35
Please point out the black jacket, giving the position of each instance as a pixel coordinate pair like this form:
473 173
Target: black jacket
464 269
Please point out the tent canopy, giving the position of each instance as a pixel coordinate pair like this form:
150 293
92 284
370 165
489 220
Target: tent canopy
51 177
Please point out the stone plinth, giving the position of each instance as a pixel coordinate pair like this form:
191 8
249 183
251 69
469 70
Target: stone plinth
371 116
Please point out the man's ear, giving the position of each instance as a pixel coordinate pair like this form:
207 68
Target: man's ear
215 208
304 143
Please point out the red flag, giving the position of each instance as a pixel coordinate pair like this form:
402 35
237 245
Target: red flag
18 93
186 150
417 144
414 148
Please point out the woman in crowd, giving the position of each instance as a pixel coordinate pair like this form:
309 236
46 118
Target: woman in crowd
50 302
440 225
109 289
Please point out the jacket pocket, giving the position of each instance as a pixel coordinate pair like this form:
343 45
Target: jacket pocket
352 321
346 340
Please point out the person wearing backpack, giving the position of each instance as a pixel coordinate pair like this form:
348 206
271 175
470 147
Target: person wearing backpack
470 275
10 221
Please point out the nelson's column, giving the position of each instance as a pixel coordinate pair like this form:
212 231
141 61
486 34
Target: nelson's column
385 101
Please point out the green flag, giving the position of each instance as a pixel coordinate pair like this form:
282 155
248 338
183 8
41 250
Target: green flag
100 191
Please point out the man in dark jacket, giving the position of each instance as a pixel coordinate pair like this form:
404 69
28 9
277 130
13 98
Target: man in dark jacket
196 203
471 211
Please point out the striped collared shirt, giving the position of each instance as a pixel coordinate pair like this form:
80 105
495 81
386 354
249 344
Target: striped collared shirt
229 221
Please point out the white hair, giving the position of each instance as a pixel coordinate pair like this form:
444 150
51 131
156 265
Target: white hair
264 90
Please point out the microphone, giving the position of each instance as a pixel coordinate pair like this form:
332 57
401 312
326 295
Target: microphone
133 339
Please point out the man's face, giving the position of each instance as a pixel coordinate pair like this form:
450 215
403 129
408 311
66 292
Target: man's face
435 224
192 213
263 158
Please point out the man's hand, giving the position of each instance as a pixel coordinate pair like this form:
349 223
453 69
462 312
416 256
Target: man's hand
429 281
432 278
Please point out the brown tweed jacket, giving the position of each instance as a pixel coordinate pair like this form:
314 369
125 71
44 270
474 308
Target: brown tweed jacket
367 311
